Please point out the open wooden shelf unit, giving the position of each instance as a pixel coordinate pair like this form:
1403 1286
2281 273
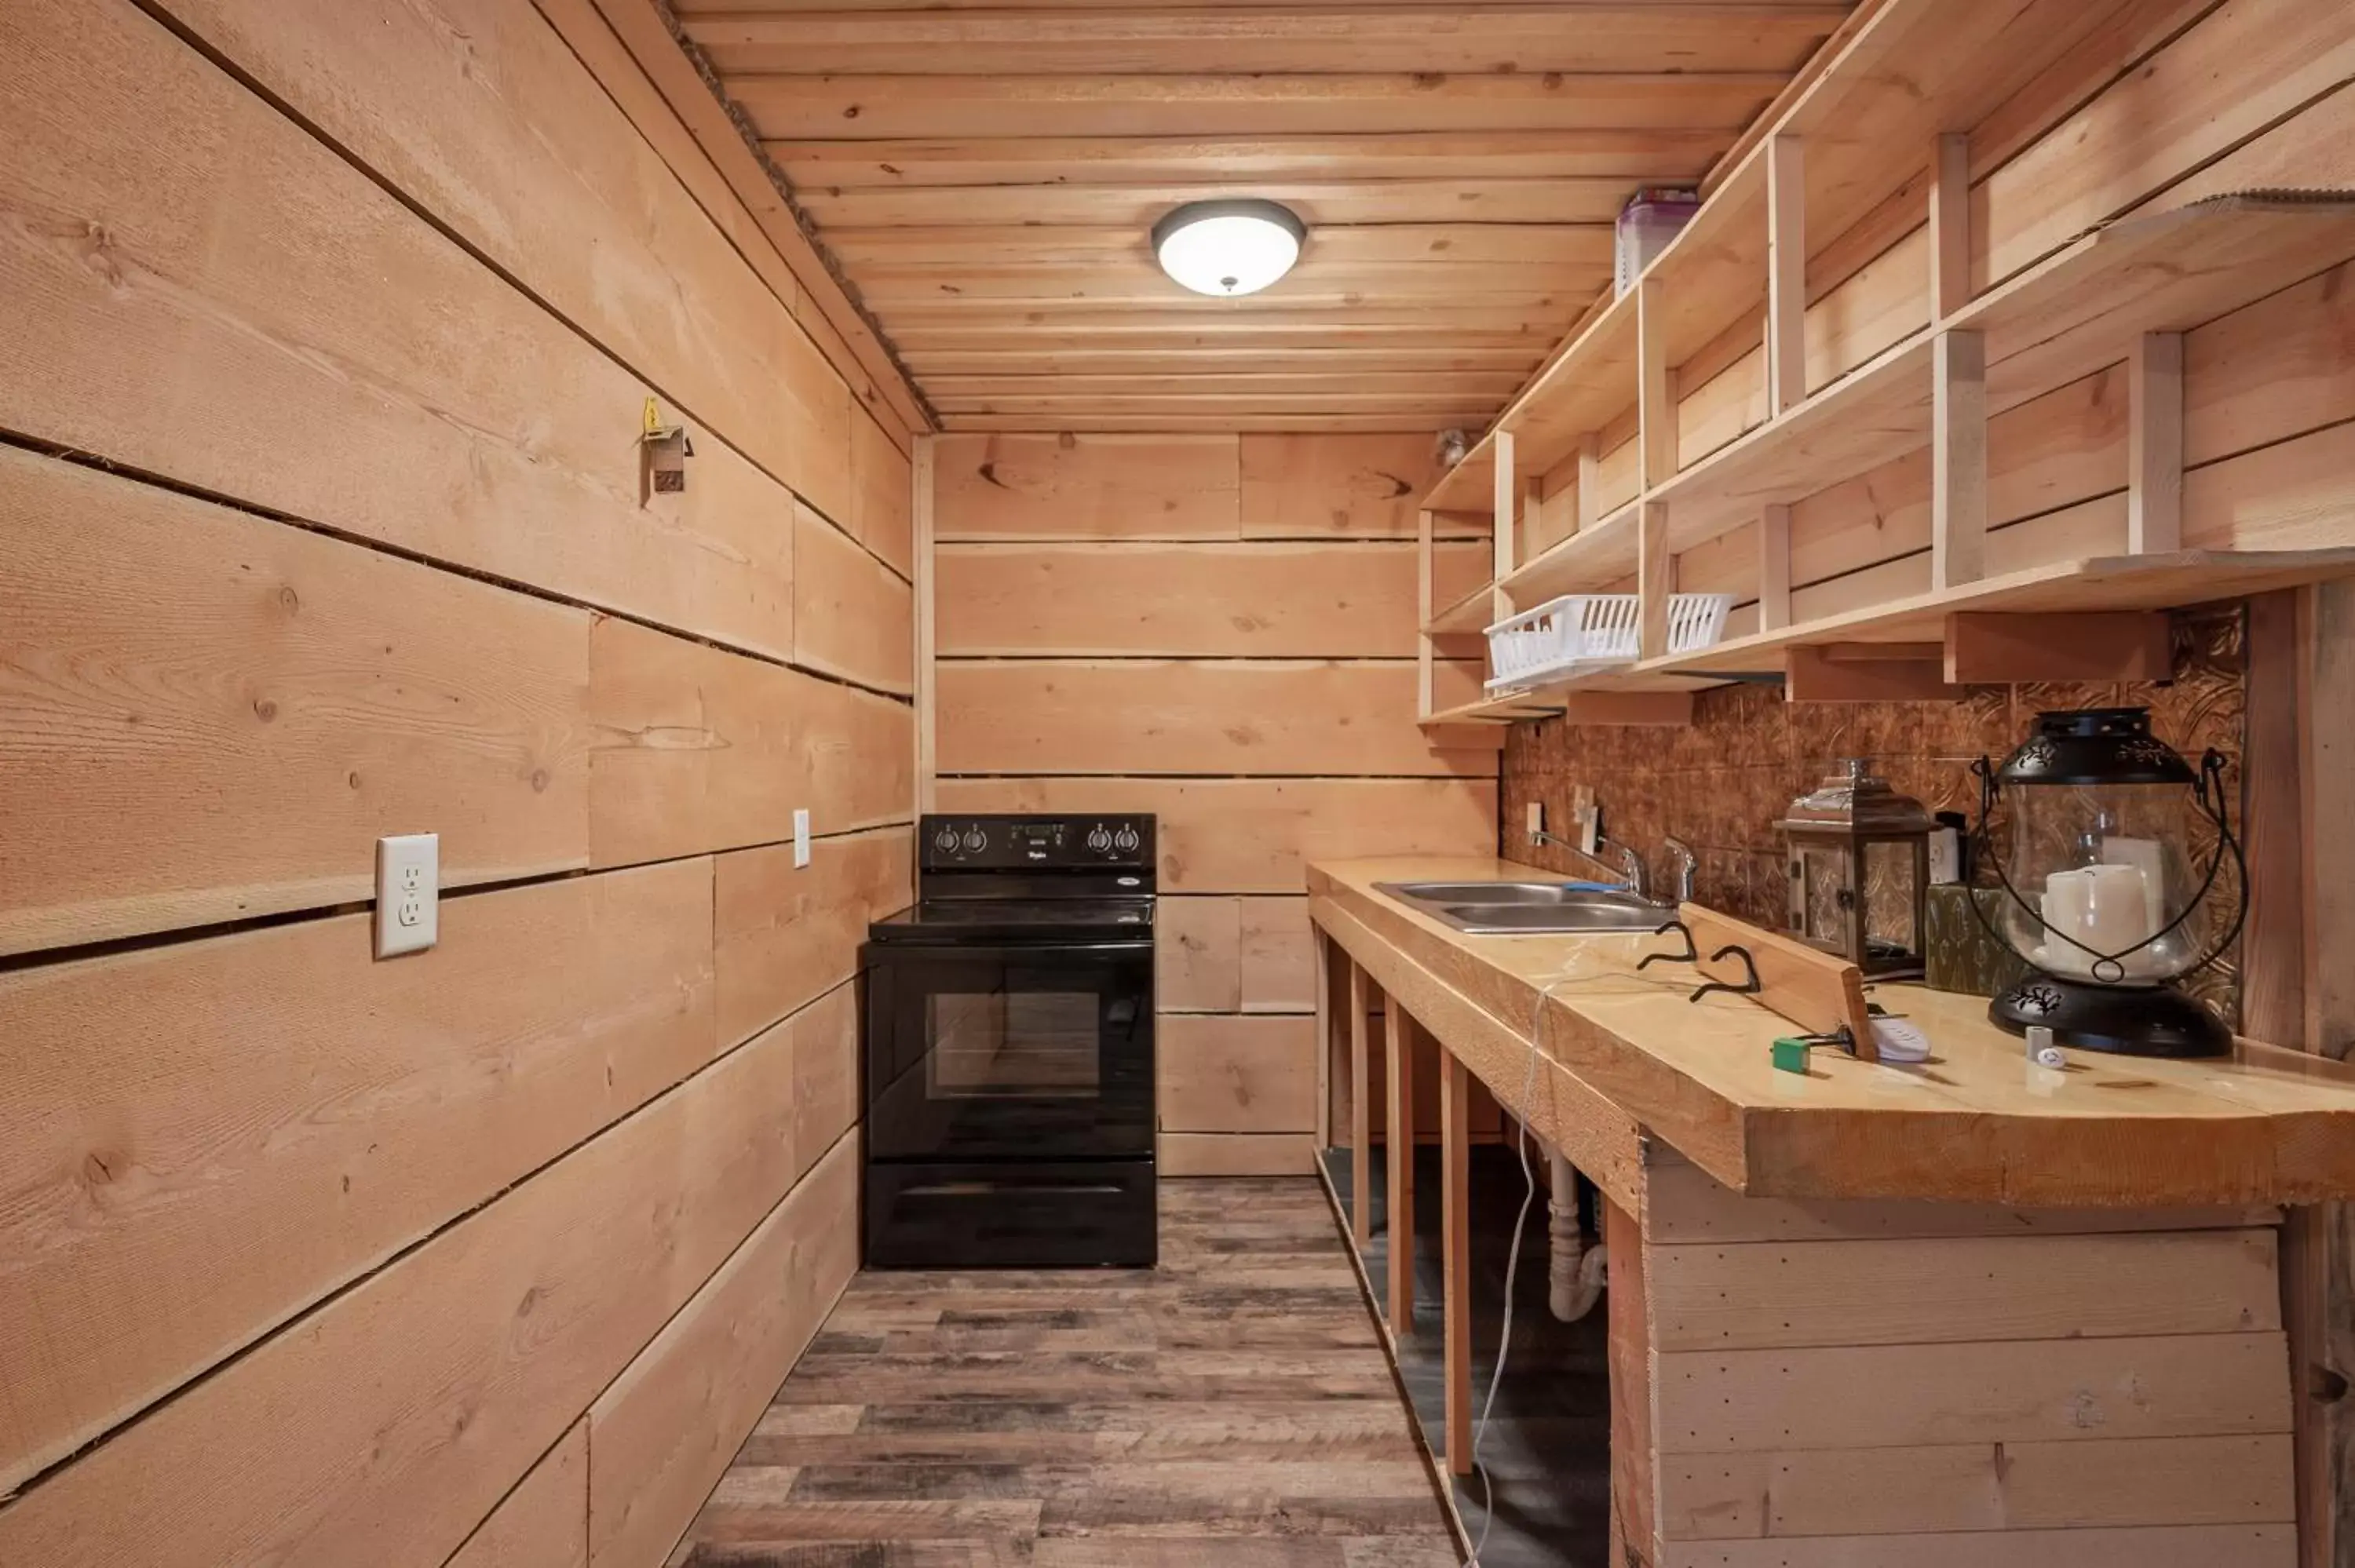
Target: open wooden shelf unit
2124 293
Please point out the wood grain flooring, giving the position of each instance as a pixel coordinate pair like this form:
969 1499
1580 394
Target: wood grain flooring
1232 1407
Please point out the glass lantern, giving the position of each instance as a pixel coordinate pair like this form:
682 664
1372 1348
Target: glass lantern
2100 890
1860 872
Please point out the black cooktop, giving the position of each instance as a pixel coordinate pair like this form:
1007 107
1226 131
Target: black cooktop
1014 919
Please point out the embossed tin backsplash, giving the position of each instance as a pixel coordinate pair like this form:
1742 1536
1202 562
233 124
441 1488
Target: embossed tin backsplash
1722 783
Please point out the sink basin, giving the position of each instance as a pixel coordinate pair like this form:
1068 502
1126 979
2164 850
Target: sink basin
1598 912
1491 908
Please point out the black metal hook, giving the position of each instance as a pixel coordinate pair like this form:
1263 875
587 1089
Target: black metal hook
1692 954
1749 988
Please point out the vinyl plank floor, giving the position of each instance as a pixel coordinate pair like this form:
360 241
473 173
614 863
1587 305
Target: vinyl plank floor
1545 1457
1231 1408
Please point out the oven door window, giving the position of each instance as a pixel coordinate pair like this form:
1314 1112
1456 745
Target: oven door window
1013 1044
1039 1055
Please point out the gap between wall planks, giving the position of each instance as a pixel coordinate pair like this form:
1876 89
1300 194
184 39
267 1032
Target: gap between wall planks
1219 630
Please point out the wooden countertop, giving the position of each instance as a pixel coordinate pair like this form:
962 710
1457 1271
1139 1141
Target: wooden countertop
1978 1122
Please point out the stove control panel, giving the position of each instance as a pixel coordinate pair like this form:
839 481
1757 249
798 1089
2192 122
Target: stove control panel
1035 843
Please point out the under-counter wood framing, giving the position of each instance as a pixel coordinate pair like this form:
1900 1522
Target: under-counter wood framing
1930 1358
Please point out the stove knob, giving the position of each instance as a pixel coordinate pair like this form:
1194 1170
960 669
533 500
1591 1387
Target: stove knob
1099 839
945 841
975 841
1127 840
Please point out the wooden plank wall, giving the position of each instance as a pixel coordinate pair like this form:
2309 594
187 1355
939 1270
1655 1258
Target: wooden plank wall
2169 102
1883 1383
1219 630
329 335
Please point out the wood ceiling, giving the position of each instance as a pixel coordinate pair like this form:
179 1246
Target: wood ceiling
983 178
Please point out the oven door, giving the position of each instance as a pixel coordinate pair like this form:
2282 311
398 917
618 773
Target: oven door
1031 1052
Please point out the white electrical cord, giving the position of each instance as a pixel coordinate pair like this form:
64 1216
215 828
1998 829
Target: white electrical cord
1529 1200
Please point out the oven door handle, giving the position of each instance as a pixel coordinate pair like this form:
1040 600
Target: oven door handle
1034 954
988 1188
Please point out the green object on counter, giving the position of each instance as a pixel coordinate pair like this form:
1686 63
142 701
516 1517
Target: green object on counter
1791 1055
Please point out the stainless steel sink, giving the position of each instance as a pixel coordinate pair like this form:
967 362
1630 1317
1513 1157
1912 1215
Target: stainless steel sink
1488 909
1540 893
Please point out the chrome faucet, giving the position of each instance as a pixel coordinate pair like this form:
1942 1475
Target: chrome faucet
1631 871
1688 867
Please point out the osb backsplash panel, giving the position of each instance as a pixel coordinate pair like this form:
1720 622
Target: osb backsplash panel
1722 783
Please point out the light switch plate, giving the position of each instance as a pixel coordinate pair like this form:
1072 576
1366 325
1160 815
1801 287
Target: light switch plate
408 894
801 839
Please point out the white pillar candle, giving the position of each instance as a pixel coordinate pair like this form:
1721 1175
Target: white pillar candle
2117 914
2066 895
2144 855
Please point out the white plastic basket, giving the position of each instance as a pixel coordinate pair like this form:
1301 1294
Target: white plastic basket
1582 631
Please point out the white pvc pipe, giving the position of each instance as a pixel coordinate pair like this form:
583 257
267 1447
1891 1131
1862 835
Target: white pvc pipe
1575 1272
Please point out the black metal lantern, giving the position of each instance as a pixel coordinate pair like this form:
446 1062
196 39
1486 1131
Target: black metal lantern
1860 872
2099 887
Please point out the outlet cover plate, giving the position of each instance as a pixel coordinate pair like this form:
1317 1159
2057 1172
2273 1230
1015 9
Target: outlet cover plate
408 894
801 839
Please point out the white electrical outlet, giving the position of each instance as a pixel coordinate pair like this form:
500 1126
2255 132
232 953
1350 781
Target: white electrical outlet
1536 820
801 839
408 893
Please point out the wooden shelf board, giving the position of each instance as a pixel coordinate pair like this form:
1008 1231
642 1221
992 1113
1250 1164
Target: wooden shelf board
2098 583
2082 308
2073 313
1589 382
1715 269
1601 553
1914 69
1875 414
1470 613
1503 709
1470 485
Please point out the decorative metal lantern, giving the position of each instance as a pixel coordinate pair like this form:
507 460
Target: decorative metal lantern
2099 892
1859 870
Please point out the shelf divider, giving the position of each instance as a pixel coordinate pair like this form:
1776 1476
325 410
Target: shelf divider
1786 273
1959 459
2155 443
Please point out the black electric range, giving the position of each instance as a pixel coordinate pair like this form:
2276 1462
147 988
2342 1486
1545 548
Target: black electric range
1009 1049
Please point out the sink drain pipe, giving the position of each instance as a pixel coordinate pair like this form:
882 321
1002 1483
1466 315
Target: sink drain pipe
1574 1271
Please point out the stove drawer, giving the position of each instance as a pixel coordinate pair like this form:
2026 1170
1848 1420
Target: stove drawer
1080 1214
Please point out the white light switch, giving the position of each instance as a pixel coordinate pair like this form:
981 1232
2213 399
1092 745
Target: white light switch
801 839
408 893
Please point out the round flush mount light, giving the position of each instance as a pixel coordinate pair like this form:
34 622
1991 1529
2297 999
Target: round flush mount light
1227 248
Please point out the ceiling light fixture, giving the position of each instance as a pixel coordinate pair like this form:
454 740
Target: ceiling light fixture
1227 248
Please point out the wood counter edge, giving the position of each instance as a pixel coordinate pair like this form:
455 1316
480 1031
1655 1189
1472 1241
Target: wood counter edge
1621 1093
